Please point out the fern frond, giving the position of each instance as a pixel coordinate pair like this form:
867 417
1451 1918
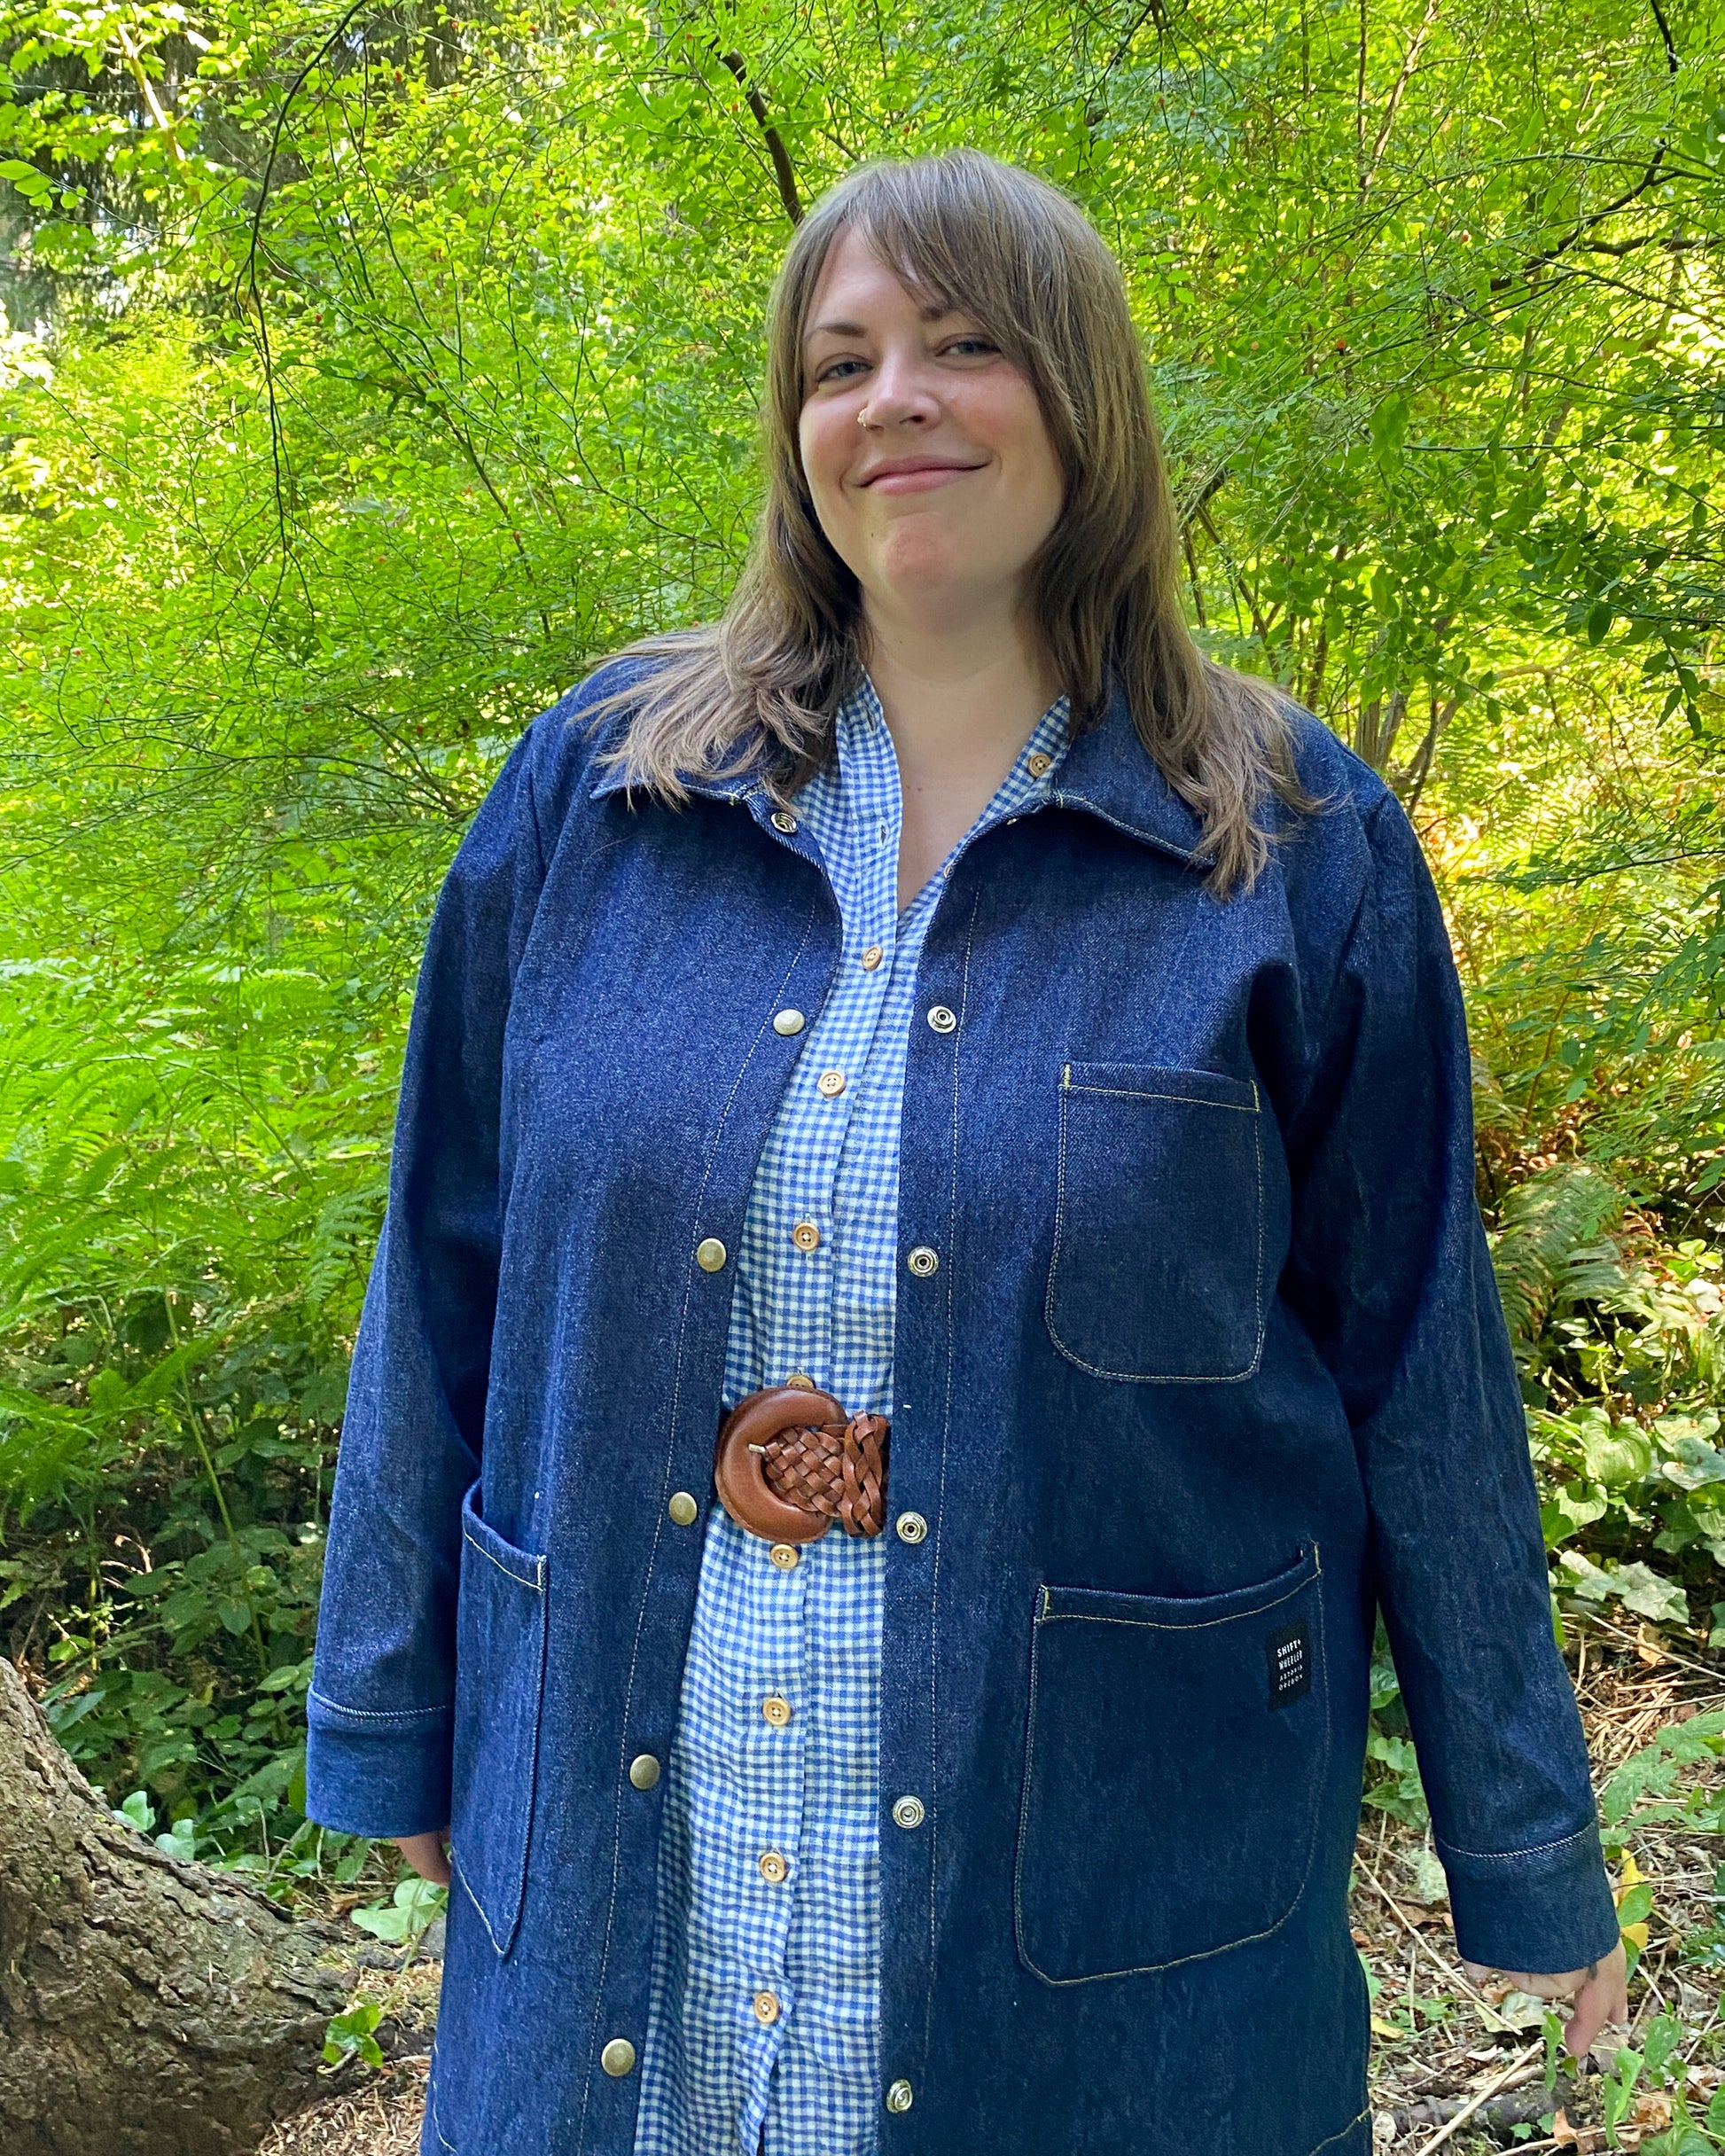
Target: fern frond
1555 1246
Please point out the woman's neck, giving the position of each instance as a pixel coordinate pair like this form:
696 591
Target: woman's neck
959 706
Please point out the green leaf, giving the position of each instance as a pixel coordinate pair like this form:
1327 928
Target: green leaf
1659 2041
1683 2139
415 1903
1644 1592
1389 425
1565 1513
180 1841
1616 1453
352 2035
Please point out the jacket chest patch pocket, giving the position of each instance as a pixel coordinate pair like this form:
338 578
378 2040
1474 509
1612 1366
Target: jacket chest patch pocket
499 1676
1173 1766
1158 1270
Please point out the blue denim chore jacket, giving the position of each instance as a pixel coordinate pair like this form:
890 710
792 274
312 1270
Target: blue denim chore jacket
1208 1364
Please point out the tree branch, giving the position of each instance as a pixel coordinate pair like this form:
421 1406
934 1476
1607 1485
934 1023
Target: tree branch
1653 176
782 169
1397 94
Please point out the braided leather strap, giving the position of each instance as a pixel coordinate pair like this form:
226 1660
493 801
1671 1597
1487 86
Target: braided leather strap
837 1469
790 1460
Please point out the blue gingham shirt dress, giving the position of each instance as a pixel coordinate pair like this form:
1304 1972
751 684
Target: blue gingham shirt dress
763 2015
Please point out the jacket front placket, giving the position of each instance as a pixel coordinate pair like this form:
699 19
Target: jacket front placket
794 983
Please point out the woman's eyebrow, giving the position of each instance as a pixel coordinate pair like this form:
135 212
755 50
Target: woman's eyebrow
936 311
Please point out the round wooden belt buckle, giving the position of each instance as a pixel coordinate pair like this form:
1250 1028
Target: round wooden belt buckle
739 1474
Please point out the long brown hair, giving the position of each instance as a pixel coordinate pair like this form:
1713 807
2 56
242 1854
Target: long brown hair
1028 266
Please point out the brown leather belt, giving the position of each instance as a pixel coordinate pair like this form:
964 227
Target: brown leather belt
789 1462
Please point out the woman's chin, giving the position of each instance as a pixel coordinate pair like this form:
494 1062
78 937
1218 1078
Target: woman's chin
925 577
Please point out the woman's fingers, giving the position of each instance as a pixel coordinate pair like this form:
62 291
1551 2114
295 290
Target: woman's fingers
1603 1999
1562 1985
428 1854
1600 1992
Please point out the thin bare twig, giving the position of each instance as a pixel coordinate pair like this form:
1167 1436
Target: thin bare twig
1713 1676
1489 2090
1451 1975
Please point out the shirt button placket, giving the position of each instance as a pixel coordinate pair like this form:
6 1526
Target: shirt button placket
769 1882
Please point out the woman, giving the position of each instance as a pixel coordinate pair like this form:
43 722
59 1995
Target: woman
1010 1074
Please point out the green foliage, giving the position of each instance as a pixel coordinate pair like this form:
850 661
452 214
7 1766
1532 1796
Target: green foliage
1618 2094
353 2035
1647 1787
404 1917
375 374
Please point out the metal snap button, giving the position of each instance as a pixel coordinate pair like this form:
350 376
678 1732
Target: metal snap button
942 1020
908 1812
899 2097
912 1526
644 1770
618 2058
922 1262
683 1509
783 820
787 1022
710 1254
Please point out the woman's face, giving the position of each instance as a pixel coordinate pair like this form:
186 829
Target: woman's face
945 496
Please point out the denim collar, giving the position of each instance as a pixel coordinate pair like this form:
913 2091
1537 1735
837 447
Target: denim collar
1107 772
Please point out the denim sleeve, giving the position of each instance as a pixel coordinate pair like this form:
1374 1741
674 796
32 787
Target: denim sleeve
379 1749
1390 1273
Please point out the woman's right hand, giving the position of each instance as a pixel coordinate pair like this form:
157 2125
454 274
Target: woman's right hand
428 1854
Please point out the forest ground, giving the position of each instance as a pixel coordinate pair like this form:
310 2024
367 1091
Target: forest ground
1437 2045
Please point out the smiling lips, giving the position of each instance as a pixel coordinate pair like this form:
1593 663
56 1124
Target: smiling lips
915 479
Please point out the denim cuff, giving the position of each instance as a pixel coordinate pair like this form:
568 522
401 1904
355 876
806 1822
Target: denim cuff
380 1774
1539 1911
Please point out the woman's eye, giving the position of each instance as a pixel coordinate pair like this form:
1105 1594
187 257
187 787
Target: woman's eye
840 370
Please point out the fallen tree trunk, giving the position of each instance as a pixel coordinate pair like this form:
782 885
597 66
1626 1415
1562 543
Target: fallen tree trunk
147 2007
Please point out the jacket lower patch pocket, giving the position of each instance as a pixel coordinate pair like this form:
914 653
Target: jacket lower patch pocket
1176 1755
500 1675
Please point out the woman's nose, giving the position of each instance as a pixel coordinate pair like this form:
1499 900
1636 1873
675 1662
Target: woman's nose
901 391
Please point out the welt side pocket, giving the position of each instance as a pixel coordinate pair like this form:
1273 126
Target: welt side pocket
500 1678
1174 1761
1157 1276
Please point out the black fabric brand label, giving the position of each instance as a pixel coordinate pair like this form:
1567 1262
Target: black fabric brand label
1289 1655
